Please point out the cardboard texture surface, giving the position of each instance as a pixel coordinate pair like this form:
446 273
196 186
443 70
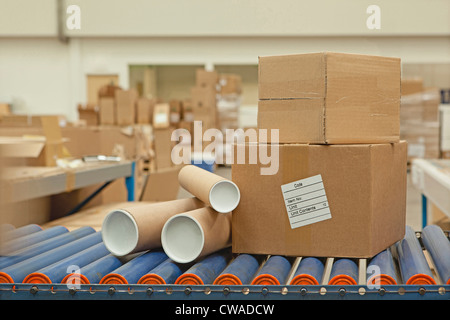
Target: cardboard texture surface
366 190
204 78
144 111
107 112
126 106
411 85
352 98
162 185
89 113
163 147
203 98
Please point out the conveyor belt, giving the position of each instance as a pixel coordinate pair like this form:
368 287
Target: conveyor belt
91 272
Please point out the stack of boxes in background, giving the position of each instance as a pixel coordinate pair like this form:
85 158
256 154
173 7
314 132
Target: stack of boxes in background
340 185
216 99
204 98
419 119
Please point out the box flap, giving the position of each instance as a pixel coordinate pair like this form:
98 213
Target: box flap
19 147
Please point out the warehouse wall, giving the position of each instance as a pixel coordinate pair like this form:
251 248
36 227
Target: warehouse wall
41 74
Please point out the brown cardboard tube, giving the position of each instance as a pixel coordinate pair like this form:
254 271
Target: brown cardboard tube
197 233
138 227
221 194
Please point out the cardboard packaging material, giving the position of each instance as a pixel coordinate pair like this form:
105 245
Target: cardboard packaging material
5 109
138 227
203 99
365 187
162 185
419 123
221 194
188 236
206 78
126 106
162 145
144 110
89 113
108 90
230 84
412 85
330 98
107 111
161 116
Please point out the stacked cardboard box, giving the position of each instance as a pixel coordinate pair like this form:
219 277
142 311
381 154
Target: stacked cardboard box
419 123
339 184
89 114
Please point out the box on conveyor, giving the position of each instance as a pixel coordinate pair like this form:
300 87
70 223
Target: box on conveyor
336 200
330 98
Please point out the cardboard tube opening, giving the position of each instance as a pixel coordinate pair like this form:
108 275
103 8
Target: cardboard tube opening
182 238
120 232
224 196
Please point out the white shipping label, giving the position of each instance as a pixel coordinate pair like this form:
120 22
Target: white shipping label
306 201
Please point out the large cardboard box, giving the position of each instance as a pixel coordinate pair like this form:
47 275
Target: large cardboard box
365 187
107 112
330 98
126 106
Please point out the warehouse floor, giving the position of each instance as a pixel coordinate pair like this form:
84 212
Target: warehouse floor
413 204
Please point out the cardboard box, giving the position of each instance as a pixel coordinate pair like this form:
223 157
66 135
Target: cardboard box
161 116
89 113
5 109
330 98
411 85
230 84
28 120
107 112
126 106
163 147
144 110
203 99
365 186
108 91
162 185
204 78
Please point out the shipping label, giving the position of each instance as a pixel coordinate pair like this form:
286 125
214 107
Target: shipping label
306 201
